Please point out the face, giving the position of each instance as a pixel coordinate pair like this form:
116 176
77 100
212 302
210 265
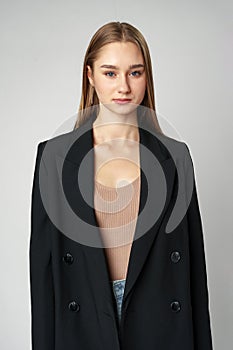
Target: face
119 73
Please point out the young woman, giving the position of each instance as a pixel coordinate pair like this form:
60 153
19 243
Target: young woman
104 271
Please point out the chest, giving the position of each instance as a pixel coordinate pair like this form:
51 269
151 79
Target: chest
116 165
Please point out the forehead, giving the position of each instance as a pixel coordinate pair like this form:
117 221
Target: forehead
120 53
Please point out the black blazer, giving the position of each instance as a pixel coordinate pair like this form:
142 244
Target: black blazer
165 304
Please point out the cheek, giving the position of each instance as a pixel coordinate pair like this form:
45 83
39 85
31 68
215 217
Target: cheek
141 87
103 87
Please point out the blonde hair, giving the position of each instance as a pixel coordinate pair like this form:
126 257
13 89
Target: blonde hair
110 33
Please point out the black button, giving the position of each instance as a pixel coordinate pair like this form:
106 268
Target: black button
175 257
175 306
68 259
73 306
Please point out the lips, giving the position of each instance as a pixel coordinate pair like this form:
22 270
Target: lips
122 100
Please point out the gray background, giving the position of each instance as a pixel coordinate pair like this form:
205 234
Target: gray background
42 49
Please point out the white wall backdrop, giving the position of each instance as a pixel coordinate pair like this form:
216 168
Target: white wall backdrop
42 48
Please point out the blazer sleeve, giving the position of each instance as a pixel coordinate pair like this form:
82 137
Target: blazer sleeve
41 279
198 273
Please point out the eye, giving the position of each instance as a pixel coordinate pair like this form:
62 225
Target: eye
138 73
106 73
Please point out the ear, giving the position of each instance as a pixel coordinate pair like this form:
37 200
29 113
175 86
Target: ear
89 75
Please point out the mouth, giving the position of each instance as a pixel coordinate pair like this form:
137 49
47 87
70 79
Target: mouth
122 100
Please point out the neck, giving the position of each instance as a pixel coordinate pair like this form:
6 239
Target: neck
109 125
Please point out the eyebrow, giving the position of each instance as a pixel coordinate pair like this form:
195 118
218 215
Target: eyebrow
139 65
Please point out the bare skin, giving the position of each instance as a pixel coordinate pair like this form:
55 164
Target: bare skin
117 162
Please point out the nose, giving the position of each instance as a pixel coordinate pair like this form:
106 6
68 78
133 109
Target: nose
123 86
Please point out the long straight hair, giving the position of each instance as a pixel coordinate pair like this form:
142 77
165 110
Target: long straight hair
109 33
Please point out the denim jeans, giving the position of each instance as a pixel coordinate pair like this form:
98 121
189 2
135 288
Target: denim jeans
118 289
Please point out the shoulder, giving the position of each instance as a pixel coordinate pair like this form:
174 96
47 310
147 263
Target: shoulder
57 146
57 140
60 144
173 148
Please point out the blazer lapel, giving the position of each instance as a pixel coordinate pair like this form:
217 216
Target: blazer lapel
96 263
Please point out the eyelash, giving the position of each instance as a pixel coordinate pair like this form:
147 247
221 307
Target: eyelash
139 73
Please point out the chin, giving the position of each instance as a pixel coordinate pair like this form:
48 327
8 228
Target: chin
122 109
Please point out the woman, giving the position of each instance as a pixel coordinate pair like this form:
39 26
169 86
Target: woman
104 272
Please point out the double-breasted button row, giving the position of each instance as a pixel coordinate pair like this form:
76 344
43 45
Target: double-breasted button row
68 258
73 306
175 256
175 304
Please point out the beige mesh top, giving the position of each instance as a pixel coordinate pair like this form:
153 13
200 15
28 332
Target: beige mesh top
116 211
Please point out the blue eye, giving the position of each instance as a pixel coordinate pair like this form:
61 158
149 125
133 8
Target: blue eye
109 73
139 73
